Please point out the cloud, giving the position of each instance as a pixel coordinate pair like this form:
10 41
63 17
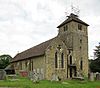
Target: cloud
23 23
22 27
9 11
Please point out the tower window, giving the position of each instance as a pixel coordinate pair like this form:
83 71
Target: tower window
56 60
81 64
79 26
62 60
65 28
80 47
80 40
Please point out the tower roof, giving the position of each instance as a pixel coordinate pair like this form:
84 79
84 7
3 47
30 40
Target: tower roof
72 17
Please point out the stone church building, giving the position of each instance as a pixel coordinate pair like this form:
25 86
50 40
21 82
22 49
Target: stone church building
65 56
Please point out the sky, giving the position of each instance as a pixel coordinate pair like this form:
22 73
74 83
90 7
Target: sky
26 23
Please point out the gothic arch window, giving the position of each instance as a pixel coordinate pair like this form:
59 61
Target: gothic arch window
70 59
56 60
81 64
62 60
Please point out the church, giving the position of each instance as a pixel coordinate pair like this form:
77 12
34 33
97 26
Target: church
65 55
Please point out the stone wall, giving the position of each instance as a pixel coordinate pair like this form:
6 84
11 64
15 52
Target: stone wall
50 60
36 64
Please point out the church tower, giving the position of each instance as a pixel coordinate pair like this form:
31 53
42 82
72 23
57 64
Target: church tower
74 33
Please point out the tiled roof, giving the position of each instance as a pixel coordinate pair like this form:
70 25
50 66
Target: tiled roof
32 52
72 17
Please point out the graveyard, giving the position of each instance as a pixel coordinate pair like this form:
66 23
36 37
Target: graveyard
22 82
36 81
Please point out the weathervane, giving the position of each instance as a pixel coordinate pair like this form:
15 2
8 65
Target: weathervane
75 10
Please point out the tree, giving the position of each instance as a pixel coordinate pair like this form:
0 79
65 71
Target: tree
4 61
95 64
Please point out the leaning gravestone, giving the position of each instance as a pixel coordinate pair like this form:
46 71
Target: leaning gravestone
2 74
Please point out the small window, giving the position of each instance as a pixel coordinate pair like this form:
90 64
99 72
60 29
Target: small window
80 40
81 64
65 28
56 60
80 47
79 26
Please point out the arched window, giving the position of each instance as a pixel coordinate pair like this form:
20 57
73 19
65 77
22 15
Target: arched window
56 60
62 60
81 64
70 59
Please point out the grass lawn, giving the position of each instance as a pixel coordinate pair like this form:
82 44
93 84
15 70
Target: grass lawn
26 83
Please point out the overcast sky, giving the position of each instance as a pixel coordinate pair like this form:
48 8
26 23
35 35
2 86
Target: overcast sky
25 23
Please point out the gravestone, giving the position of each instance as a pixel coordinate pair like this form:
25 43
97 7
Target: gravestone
2 74
36 77
54 77
40 76
91 76
30 75
97 76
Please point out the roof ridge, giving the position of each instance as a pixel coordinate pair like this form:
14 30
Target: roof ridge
33 51
37 45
